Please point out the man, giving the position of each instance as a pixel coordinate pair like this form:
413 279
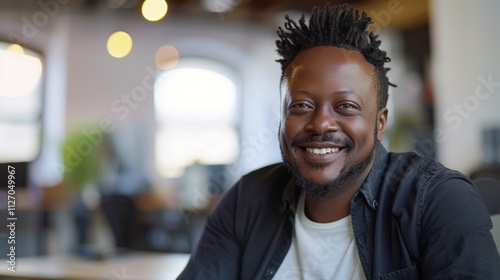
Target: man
341 206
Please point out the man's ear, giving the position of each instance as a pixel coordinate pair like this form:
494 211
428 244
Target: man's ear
381 122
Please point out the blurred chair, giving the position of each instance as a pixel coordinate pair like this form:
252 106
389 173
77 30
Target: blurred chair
121 214
490 191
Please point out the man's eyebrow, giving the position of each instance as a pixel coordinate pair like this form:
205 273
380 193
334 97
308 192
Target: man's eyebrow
299 91
346 92
343 92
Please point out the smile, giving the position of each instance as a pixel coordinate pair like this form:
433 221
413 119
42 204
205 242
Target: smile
322 151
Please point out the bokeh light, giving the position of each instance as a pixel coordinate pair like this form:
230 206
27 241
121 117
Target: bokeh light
166 57
16 48
19 73
119 44
154 10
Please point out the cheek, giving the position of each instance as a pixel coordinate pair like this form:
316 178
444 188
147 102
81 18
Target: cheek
288 128
294 124
361 132
286 134
282 136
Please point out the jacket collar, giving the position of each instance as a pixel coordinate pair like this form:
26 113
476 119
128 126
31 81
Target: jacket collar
371 186
369 189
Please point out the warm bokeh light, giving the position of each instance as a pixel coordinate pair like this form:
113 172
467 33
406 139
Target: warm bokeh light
19 73
16 48
166 57
154 10
119 44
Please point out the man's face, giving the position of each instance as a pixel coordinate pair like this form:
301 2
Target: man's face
330 122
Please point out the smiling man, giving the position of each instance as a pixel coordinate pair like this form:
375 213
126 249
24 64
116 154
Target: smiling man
340 206
331 123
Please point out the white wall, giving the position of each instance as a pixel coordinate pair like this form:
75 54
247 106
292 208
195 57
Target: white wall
465 48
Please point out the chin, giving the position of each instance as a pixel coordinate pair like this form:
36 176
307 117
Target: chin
319 184
317 180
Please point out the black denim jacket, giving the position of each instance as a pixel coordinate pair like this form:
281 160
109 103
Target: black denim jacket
412 219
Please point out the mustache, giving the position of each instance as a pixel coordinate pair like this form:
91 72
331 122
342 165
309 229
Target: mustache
346 142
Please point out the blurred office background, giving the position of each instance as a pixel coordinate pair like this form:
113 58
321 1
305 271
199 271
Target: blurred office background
125 131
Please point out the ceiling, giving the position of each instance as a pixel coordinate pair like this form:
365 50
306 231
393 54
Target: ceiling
395 14
410 13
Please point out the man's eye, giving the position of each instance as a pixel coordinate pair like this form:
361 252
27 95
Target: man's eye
346 106
300 106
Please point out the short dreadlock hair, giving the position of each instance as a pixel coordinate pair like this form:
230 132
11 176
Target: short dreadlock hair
340 26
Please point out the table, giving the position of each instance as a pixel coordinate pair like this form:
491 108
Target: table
129 266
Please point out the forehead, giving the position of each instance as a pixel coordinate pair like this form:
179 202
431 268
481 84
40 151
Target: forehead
332 68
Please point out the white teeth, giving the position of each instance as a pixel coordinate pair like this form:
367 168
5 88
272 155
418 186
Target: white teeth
322 151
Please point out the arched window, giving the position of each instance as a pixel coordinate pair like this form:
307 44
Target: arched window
20 103
196 113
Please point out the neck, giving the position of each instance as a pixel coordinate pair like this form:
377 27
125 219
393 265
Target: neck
331 209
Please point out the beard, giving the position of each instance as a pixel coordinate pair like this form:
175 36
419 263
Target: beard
323 190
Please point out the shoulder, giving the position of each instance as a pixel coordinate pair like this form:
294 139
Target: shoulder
268 180
421 171
267 175
412 181
253 203
421 190
424 186
263 186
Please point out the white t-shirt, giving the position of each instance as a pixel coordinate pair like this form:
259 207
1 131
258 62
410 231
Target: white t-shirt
321 250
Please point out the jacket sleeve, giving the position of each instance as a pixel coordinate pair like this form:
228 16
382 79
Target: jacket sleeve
456 242
217 254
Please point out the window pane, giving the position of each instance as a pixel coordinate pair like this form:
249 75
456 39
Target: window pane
20 103
195 95
196 115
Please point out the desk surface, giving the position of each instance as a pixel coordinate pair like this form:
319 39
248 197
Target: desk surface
130 266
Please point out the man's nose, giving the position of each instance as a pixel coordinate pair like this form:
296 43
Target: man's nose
323 121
